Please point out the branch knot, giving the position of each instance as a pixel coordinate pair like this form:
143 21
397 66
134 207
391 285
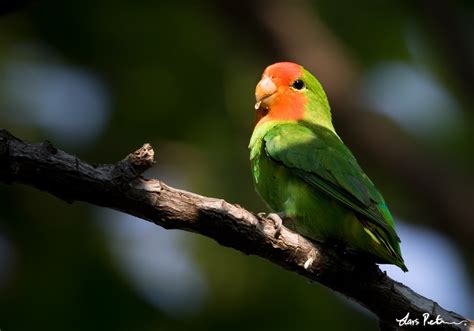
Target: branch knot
142 159
133 165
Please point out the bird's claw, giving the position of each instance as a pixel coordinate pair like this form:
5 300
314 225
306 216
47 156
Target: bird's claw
276 219
310 259
308 263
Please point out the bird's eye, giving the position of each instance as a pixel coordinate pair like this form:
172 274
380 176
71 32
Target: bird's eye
298 84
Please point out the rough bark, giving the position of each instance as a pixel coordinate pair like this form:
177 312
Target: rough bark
121 187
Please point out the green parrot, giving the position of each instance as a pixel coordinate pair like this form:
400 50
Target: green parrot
304 172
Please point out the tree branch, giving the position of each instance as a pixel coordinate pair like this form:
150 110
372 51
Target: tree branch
121 187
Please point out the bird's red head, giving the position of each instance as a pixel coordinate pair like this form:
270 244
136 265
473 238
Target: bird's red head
278 95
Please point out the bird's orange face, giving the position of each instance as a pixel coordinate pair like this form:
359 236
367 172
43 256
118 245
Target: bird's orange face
278 93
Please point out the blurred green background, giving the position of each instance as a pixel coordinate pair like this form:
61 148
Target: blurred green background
100 78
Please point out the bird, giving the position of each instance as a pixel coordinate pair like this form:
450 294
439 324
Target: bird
307 176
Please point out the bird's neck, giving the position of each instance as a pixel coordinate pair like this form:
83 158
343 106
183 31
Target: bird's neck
295 108
320 116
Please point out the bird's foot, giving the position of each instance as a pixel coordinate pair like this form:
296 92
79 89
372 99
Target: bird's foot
310 259
276 219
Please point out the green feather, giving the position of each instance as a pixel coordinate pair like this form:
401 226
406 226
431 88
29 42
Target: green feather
302 168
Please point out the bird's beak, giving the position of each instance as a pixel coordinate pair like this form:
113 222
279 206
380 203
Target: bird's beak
265 88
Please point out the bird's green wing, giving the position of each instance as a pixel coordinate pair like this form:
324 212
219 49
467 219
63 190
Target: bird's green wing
320 158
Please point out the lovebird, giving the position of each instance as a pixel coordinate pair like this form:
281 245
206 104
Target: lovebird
308 177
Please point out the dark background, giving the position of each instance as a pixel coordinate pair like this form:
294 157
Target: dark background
100 78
